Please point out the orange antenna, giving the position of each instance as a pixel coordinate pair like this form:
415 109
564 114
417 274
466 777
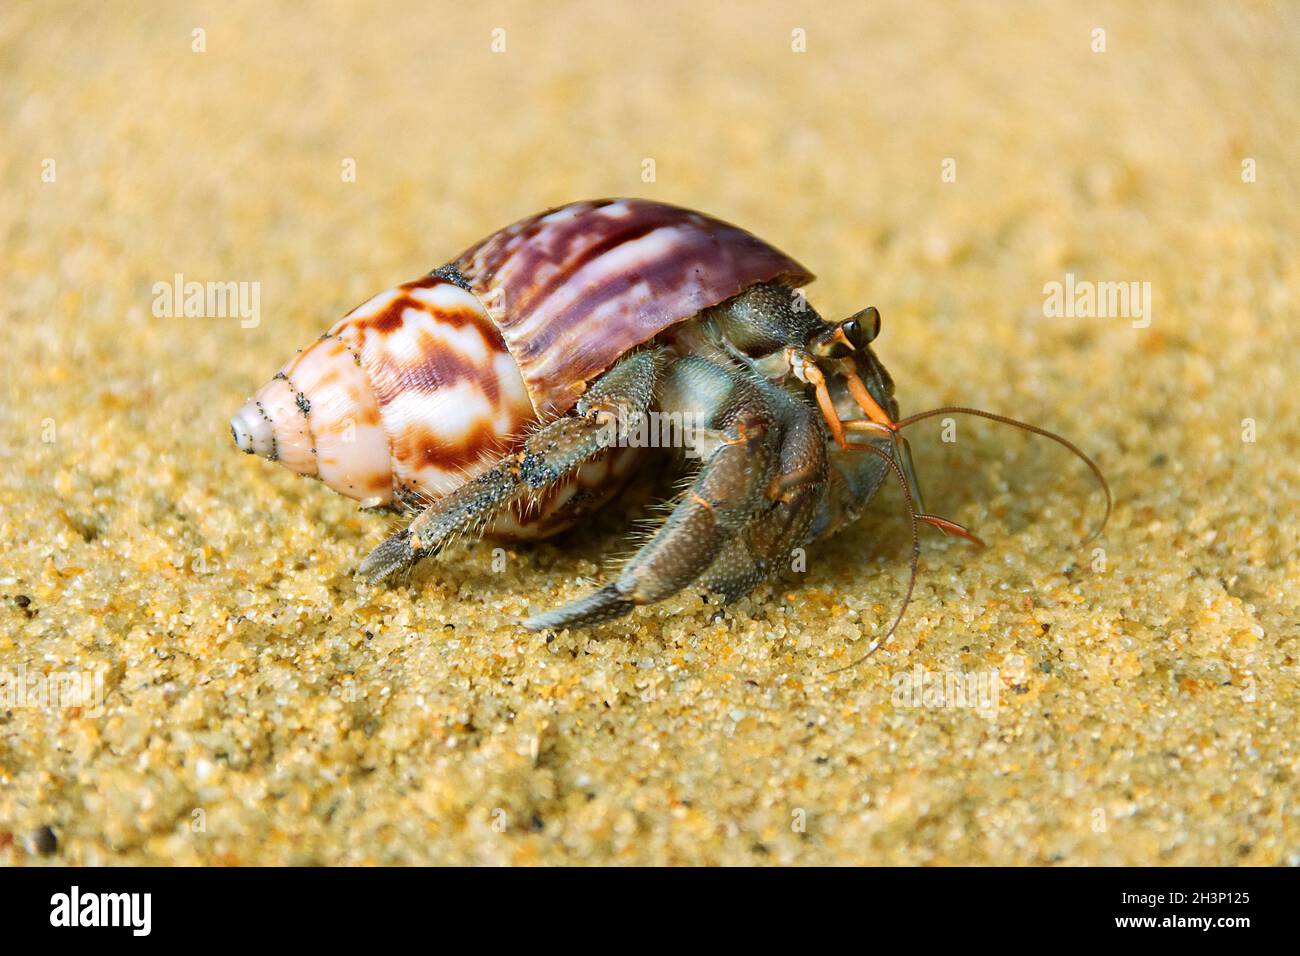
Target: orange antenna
1003 419
916 518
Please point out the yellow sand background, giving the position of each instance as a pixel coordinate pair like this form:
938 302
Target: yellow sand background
262 707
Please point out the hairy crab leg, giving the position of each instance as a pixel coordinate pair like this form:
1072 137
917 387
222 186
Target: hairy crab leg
714 509
547 456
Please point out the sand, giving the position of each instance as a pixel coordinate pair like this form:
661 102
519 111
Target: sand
1129 700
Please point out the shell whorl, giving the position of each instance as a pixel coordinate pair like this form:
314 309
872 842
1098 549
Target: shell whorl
408 395
574 288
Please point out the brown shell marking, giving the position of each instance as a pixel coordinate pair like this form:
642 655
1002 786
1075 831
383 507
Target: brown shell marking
574 288
334 400
448 392
405 398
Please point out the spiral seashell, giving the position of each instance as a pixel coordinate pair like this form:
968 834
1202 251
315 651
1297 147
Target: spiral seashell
411 393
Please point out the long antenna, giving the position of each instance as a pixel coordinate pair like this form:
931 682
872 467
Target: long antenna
1003 419
916 552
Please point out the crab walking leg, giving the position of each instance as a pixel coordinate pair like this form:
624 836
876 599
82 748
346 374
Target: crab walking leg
620 396
806 370
719 503
795 494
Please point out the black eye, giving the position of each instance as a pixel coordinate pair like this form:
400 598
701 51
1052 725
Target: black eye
862 328
870 319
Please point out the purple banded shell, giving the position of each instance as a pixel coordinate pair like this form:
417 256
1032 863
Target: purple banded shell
574 288
425 385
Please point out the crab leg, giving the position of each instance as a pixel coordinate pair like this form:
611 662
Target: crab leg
753 501
796 493
739 482
713 510
805 368
547 456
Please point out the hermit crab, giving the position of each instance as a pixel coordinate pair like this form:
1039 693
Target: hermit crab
506 393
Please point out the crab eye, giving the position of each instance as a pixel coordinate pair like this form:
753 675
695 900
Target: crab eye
865 327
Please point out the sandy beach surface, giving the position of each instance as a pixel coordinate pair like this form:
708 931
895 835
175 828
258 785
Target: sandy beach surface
192 674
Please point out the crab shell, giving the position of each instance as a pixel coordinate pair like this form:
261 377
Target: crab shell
427 384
